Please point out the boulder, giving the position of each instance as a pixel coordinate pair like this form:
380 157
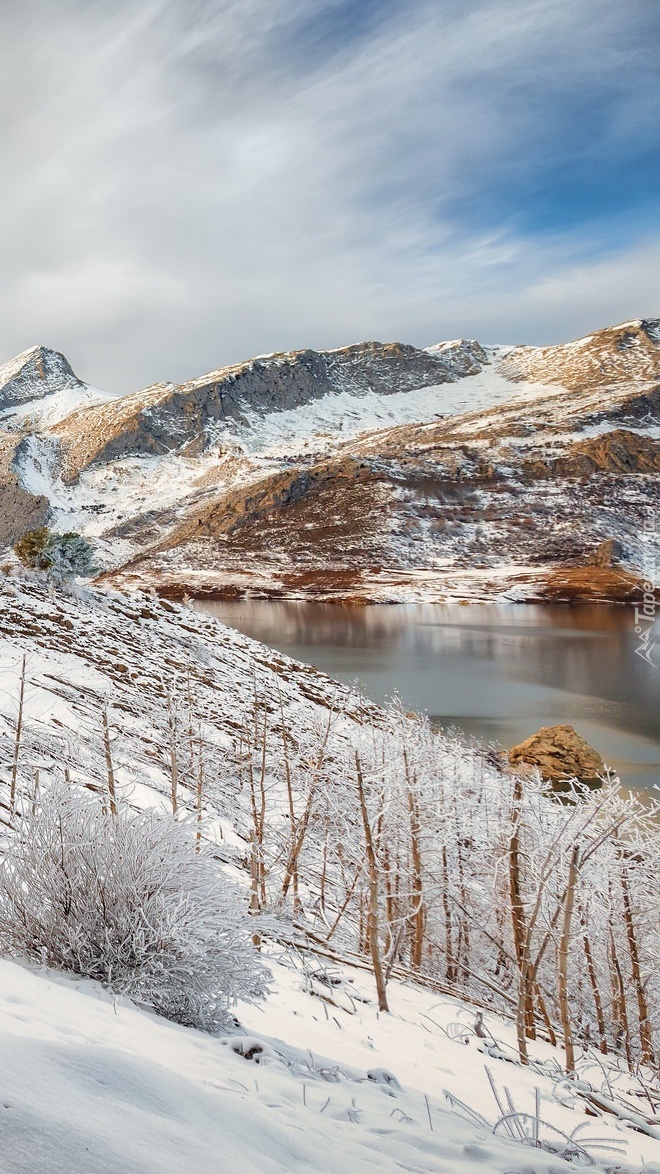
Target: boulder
559 753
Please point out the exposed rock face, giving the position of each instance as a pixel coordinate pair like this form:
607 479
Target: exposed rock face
192 416
608 553
639 407
467 356
19 509
559 753
34 374
620 451
284 381
127 427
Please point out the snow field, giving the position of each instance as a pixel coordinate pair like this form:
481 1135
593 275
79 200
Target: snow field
93 1087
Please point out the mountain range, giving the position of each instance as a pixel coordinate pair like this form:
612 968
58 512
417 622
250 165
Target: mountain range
374 472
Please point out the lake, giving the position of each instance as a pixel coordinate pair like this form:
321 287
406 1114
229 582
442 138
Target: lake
496 671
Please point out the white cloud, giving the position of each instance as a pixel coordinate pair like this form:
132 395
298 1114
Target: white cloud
187 184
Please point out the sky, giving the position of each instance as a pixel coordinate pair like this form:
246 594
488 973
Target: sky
188 183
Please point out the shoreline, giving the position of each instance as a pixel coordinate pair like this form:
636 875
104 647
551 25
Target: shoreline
566 585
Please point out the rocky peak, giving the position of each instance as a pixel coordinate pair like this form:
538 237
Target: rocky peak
34 374
465 356
651 327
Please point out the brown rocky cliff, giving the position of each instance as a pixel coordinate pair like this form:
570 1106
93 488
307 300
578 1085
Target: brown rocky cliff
620 451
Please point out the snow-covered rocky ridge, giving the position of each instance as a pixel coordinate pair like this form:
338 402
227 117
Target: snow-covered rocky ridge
337 1085
377 471
33 375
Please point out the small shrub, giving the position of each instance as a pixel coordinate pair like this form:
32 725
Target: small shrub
31 549
128 901
61 556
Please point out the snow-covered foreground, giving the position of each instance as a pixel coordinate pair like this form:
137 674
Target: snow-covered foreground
93 1087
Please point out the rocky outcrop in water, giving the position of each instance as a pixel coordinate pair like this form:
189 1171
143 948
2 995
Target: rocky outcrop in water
559 753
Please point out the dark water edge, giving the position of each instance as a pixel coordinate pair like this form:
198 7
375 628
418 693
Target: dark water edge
495 671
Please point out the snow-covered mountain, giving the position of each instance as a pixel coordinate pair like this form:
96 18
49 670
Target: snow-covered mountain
376 471
39 388
33 375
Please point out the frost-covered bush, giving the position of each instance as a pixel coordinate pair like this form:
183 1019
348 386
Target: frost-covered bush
128 901
70 554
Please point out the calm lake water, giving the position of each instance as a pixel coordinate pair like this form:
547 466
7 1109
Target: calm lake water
497 671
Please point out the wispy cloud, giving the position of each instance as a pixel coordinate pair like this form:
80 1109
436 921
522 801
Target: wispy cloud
186 184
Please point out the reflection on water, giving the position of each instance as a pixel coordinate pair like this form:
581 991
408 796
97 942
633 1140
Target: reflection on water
498 671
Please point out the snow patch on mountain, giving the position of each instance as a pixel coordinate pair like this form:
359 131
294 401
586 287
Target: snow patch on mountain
318 425
53 407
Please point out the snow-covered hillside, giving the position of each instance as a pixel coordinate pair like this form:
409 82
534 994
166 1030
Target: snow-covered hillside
96 1086
616 354
90 1084
316 426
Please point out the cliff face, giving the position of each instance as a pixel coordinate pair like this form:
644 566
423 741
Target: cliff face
196 416
20 510
377 471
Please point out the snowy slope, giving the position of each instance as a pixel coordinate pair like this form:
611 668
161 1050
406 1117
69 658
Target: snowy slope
92 1087
89 1087
84 653
49 409
318 425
